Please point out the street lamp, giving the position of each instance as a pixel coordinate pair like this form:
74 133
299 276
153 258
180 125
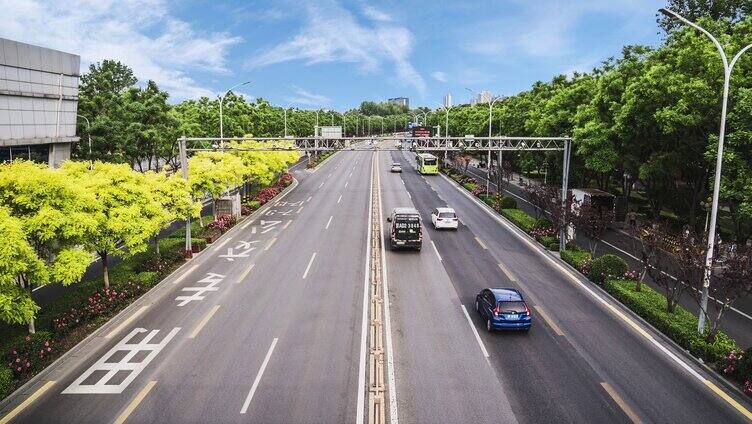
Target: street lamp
727 68
491 102
287 107
221 100
446 128
88 134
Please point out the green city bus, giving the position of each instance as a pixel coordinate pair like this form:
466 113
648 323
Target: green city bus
427 163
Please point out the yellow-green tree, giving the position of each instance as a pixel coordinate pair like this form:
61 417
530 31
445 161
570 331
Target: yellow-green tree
214 173
56 217
127 213
173 193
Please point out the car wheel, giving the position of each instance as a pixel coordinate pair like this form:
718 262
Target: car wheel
488 325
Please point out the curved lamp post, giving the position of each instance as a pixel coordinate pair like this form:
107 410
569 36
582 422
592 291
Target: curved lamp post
287 107
727 68
221 100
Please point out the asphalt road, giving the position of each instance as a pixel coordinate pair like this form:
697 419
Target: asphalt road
265 327
737 322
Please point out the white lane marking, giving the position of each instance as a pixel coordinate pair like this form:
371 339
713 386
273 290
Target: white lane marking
287 224
185 274
299 209
475 332
340 198
551 323
346 182
330 174
308 268
258 377
408 195
359 416
250 221
245 273
112 367
436 250
321 185
349 175
125 323
480 242
329 222
507 272
308 199
393 413
253 230
271 242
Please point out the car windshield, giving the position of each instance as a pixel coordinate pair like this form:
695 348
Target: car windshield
446 215
512 307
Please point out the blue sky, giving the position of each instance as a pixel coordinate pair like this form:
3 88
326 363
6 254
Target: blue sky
335 54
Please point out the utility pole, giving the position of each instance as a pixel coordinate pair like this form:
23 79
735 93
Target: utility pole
184 169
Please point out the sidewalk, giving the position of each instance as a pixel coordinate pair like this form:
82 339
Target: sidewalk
737 322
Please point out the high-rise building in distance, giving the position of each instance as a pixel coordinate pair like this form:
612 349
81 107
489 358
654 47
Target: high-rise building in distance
448 100
402 101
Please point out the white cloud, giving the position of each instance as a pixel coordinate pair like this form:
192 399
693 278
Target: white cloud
140 33
304 97
332 34
440 76
376 14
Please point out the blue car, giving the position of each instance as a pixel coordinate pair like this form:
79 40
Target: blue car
503 309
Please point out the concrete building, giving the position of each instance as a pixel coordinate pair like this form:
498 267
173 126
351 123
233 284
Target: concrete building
402 101
484 97
38 102
448 100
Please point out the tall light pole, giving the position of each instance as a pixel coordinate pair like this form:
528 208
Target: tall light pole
287 107
446 128
88 134
491 102
727 69
316 129
221 100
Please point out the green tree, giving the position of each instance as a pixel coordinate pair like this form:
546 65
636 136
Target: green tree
728 10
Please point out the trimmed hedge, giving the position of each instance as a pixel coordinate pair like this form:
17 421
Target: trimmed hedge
470 186
253 204
578 258
607 266
520 219
680 326
550 242
6 381
508 203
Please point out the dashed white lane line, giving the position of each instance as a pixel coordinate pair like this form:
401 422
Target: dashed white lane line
203 322
245 273
309 199
299 209
340 198
475 332
271 242
185 274
507 272
310 262
125 323
436 251
346 183
321 185
551 323
256 382
329 222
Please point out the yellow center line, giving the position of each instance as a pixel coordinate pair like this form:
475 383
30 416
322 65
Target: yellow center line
203 322
271 242
245 273
744 411
619 401
287 224
29 400
551 323
134 403
480 242
508 273
125 323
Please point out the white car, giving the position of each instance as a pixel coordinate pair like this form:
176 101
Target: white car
444 218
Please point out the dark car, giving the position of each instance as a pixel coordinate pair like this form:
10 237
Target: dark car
405 231
503 309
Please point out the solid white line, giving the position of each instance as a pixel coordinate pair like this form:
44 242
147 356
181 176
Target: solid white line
408 195
436 250
340 198
310 262
329 222
359 415
185 274
393 414
125 323
258 377
475 332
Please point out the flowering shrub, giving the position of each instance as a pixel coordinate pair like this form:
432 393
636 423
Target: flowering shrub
748 387
245 210
540 232
222 223
285 180
631 275
31 354
478 190
732 362
103 302
266 194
